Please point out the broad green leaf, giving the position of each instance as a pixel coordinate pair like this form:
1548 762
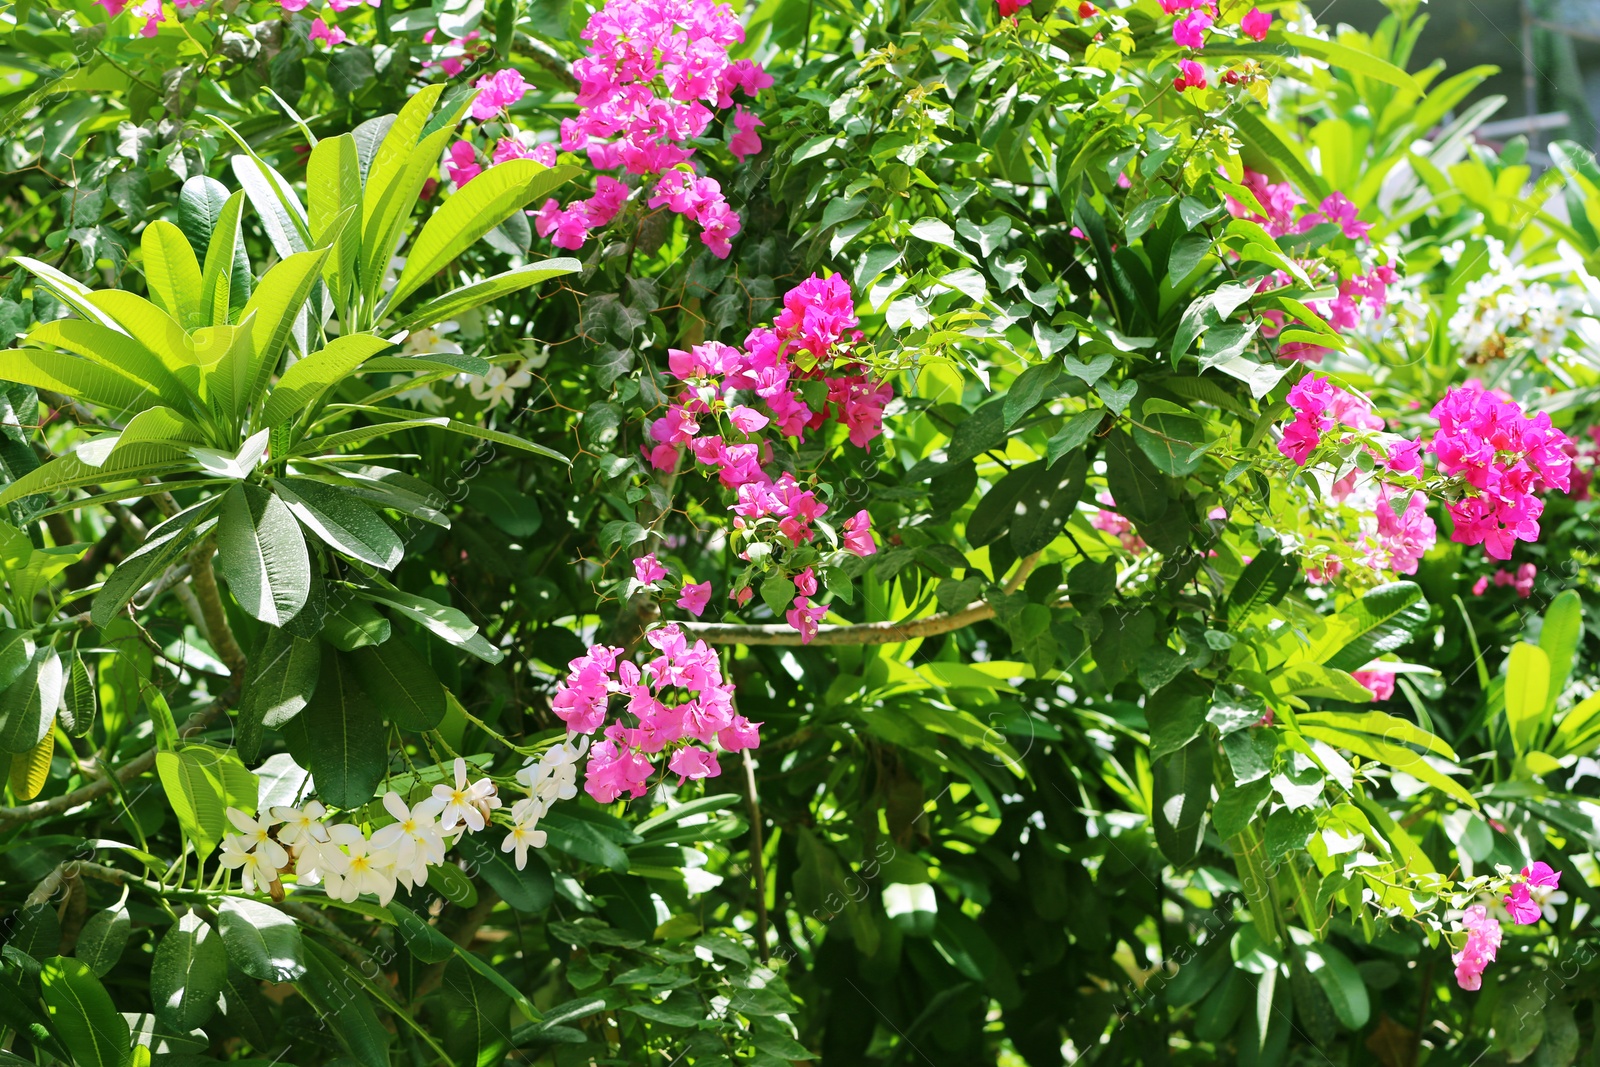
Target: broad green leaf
472 212
281 213
1170 441
103 938
352 746
261 941
68 290
161 550
201 783
309 378
1354 61
187 973
201 204
425 940
342 522
1527 693
115 351
78 378
395 150
336 993
1381 621
474 1014
82 1015
529 890
262 554
1388 727
279 682
381 238
441 620
355 624
16 652
154 426
449 882
172 273
467 297
149 325
1341 982
1579 729
1139 490
333 187
1182 792
1315 680
30 770
400 682
1559 637
28 706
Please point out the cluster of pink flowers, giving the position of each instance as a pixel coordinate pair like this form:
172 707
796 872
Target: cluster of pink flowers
1522 581
148 10
814 331
1403 535
1483 942
1117 525
676 703
646 89
1009 8
1503 457
1198 17
496 93
1312 399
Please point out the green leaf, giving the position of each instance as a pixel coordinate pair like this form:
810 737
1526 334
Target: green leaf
467 297
475 1015
583 839
282 216
352 749
68 290
30 770
401 683
28 706
79 378
472 212
1388 727
425 940
1170 441
1349 60
449 882
1559 637
333 189
1238 806
279 682
1047 503
325 368
82 1015
261 941
1396 757
80 702
275 305
1182 792
1139 490
102 939
1527 694
355 624
172 273
221 286
187 973
1381 621
201 204
160 550
337 994
342 522
262 555
201 782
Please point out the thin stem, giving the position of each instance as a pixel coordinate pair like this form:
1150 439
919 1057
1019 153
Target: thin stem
204 582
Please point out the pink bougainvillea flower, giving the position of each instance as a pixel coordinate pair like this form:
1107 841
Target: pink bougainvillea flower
462 165
804 617
1009 8
1405 457
1191 75
1190 31
745 141
1522 908
693 763
695 597
1255 24
1539 873
648 570
1381 683
150 12
321 31
496 92
858 534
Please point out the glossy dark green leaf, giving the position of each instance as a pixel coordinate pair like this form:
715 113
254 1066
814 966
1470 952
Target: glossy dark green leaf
261 941
187 973
262 555
401 684
82 1015
1182 792
350 745
102 939
280 681
28 705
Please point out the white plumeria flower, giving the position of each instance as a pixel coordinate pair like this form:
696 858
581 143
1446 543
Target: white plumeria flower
371 870
522 837
259 838
498 386
319 860
466 805
430 339
555 775
255 873
424 397
414 835
301 824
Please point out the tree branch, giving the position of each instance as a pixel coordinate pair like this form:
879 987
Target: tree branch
124 774
204 581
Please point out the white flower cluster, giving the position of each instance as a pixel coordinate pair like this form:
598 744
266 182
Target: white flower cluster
1507 304
348 862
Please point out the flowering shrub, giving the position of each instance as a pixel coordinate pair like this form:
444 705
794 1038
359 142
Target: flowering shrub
988 457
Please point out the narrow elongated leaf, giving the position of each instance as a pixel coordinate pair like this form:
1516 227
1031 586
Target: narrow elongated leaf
336 994
28 706
1341 982
281 213
442 620
187 974
68 290
115 351
262 554
82 1015
1382 621
1559 637
400 682
201 204
155 426
78 378
381 238
172 272
351 748
472 212
333 187
1527 693
275 304
281 677
467 297
309 378
1396 757
261 941
80 702
475 1016
342 522
426 941
466 429
160 551
149 325
396 148
218 292
1388 727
